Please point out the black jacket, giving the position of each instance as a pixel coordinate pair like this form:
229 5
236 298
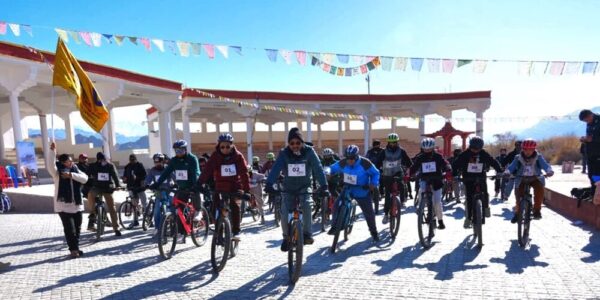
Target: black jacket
104 178
441 165
374 156
593 130
134 175
510 157
85 168
484 158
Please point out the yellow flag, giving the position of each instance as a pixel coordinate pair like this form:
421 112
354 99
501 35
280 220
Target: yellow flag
71 76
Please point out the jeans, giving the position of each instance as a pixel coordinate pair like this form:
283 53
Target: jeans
436 197
288 206
136 197
110 205
366 205
72 227
510 184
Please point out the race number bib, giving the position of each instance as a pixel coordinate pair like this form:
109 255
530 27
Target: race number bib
475 168
228 170
429 167
528 171
350 179
296 170
391 164
103 177
181 175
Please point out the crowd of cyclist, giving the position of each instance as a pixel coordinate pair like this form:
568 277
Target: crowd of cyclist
299 170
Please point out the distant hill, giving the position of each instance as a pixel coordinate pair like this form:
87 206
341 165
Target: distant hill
141 143
84 137
550 128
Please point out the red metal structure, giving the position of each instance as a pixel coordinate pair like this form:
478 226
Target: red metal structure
447 133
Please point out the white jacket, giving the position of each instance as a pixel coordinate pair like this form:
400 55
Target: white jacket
80 177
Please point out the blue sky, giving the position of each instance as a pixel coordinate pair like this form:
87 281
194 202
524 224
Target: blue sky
522 30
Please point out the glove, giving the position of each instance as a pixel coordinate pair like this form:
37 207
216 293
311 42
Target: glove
550 174
325 193
269 189
153 186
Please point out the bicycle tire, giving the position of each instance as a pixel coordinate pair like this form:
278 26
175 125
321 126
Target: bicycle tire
168 229
395 214
221 239
127 214
425 216
351 219
295 251
148 215
524 219
277 213
478 222
99 222
255 214
324 214
199 232
339 224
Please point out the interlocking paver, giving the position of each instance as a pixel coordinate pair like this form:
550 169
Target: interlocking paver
563 262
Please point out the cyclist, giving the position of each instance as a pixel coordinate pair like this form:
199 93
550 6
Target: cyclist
256 166
153 176
529 163
299 163
393 161
266 168
510 157
256 189
358 172
229 169
498 180
333 180
433 167
134 176
104 182
474 163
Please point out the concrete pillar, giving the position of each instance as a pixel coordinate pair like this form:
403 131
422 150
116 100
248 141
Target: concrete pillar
2 151
16 123
106 140
309 127
320 141
479 123
69 130
218 128
203 127
422 125
249 131
286 129
164 125
340 138
173 128
367 132
45 147
185 120
394 124
230 127
112 133
270 137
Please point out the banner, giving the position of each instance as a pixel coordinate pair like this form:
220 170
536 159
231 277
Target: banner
346 72
27 156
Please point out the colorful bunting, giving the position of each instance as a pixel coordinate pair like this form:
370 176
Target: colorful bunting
448 65
86 38
416 64
160 44
146 43
27 29
386 63
184 49
196 49
463 62
286 55
525 68
74 36
343 58
589 67
236 49
224 50
2 28
301 57
108 37
172 46
272 54
96 39
119 39
400 63
572 68
15 28
133 40
210 50
61 33
479 66
433 65
556 67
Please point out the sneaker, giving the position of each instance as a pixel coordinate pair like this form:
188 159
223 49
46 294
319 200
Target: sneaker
486 212
496 195
331 231
386 219
117 232
467 223
514 219
91 228
441 225
308 240
375 237
132 225
537 215
236 237
285 245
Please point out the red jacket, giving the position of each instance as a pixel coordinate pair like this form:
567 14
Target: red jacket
229 172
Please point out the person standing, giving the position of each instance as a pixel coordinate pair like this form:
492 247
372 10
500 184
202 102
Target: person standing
134 176
592 143
68 200
498 179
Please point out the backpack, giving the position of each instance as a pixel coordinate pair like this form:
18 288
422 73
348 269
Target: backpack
5 204
582 194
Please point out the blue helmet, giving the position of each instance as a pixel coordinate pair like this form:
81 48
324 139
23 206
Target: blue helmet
226 137
351 151
180 144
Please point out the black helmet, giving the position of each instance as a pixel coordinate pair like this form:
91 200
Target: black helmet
180 144
158 157
584 113
476 142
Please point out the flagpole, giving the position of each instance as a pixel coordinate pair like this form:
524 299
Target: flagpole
52 115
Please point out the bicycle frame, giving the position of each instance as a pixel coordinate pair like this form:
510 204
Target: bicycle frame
180 205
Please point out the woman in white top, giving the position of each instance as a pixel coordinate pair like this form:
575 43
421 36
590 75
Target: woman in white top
68 201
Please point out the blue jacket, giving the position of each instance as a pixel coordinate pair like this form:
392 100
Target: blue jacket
536 162
306 165
362 173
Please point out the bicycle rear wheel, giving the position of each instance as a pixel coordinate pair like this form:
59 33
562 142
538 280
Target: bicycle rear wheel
324 213
339 224
295 252
168 236
200 228
277 211
127 214
148 215
351 219
100 218
395 214
477 222
221 242
376 197
425 221
524 221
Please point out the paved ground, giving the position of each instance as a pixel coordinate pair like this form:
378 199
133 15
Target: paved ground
563 261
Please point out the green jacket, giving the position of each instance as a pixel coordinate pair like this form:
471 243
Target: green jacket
298 170
186 170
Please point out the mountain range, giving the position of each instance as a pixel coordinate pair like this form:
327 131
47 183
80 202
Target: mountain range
84 137
560 127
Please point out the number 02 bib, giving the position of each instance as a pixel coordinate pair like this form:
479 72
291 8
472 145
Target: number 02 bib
296 170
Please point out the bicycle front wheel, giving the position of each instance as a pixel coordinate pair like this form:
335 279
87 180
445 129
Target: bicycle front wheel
339 226
477 222
425 221
221 243
351 220
524 221
395 214
127 214
295 251
200 228
148 215
168 236
100 218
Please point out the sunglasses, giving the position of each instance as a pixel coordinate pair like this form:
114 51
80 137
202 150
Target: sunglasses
179 151
225 147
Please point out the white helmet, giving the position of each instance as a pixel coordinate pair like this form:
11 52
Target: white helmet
428 143
327 152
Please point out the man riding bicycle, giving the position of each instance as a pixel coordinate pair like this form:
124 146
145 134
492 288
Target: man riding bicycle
105 181
266 168
334 180
153 176
358 172
432 167
498 180
134 176
474 163
393 162
299 163
526 164
229 169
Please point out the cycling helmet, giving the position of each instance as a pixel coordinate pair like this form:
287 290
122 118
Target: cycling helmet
180 144
393 138
476 142
255 159
529 144
427 144
584 114
327 152
226 137
158 157
351 152
270 156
